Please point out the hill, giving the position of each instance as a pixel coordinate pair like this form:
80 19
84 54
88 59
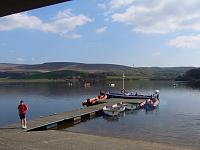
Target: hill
190 75
57 66
63 70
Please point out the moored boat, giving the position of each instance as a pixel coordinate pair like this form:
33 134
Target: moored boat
150 103
126 95
95 100
110 111
119 106
129 106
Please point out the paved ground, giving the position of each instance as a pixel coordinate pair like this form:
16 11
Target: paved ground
62 140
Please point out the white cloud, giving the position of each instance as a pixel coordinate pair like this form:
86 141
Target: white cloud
102 29
19 21
117 4
157 16
20 59
64 22
192 41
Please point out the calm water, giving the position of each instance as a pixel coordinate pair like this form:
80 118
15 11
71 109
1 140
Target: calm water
177 120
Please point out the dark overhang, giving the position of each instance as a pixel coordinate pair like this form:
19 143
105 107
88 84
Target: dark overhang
8 7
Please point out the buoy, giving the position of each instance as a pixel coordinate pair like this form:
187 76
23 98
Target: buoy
112 85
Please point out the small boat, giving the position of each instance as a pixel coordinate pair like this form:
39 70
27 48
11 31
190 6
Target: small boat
87 84
125 95
119 106
110 111
95 100
112 85
150 103
129 106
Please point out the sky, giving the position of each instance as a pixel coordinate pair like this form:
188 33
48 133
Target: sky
161 33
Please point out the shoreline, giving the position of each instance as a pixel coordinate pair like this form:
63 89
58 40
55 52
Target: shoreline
31 81
64 81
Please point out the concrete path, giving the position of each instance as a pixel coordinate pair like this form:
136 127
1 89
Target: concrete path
63 140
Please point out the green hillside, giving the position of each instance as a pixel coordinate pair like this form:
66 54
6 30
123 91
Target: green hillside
69 70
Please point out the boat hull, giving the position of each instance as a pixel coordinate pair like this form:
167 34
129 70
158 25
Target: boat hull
120 107
110 111
94 101
123 96
130 106
150 104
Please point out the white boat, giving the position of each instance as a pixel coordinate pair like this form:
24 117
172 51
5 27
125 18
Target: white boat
119 106
150 103
129 106
112 85
110 111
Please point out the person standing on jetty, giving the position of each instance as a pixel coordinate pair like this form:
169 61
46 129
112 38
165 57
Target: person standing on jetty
22 113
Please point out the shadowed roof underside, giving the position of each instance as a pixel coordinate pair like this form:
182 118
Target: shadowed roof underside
8 7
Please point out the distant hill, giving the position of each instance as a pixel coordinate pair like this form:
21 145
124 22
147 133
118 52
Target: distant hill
163 73
9 67
57 66
111 71
190 75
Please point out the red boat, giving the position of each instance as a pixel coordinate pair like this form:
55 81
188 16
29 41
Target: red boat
95 100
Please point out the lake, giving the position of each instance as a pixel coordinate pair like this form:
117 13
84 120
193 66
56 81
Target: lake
175 121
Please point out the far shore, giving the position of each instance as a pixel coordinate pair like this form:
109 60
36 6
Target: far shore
31 81
67 81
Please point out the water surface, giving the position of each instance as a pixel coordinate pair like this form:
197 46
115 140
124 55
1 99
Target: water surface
176 121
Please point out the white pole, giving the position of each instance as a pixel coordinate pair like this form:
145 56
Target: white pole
123 80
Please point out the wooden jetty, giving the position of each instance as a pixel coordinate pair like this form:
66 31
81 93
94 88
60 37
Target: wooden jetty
67 119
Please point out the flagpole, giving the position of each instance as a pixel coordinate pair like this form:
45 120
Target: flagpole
123 81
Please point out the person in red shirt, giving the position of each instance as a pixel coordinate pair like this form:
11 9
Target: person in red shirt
22 113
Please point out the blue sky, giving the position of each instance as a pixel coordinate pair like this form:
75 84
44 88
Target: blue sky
127 32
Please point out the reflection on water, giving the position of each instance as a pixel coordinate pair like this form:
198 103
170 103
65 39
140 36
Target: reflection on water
121 115
42 99
149 126
177 119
